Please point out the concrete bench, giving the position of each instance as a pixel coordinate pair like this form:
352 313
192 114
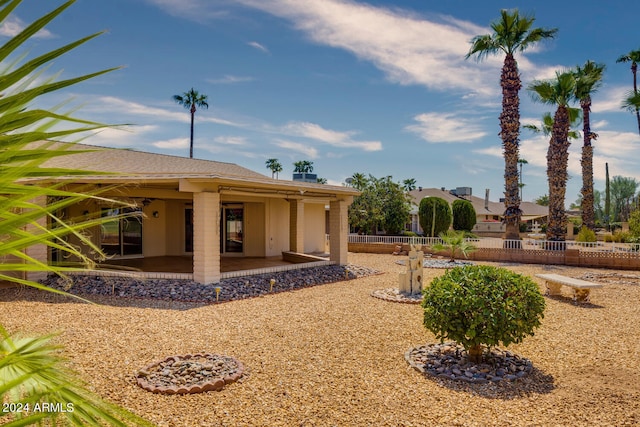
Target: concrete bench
581 288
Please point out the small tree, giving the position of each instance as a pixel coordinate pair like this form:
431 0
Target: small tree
275 166
479 306
303 166
435 215
464 215
453 241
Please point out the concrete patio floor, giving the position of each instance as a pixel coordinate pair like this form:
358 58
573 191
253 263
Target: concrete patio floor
184 264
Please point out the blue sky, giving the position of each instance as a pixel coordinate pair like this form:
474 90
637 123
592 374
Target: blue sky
378 87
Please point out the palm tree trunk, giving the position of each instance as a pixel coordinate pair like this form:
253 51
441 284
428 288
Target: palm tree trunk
557 159
634 70
588 212
510 133
193 113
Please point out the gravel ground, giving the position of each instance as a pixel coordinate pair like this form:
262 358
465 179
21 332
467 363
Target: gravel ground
333 355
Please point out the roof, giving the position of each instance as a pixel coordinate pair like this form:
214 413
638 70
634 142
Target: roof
529 210
144 167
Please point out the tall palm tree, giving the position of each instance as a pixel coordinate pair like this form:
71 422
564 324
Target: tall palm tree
511 33
521 162
588 80
559 92
190 100
32 370
275 166
634 58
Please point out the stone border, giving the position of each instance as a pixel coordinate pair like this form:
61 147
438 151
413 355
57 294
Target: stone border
214 383
449 361
394 295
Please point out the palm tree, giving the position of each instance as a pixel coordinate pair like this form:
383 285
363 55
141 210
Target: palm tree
588 79
559 92
358 181
275 166
32 371
453 241
409 184
190 100
634 58
511 33
303 166
521 162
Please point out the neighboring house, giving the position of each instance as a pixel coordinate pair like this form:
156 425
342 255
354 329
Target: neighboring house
207 209
488 213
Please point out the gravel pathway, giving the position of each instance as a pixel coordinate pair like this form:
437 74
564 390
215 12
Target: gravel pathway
331 355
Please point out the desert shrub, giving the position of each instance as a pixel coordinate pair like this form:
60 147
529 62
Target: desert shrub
409 234
634 223
480 306
464 215
618 237
586 235
442 215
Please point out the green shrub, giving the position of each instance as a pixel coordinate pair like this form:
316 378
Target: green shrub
586 235
409 234
524 227
464 215
442 215
634 223
480 306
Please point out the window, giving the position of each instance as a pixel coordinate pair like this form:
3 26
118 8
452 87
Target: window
122 236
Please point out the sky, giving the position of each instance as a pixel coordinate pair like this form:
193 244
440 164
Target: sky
378 87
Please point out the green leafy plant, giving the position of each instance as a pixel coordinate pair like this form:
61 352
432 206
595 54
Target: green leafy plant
435 215
464 215
586 235
453 242
479 306
31 195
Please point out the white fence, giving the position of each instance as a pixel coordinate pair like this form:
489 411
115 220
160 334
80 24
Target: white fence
497 243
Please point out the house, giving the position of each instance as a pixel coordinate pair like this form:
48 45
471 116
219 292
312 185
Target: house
488 214
205 209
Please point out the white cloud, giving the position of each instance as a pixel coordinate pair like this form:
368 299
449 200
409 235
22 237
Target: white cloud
609 101
258 46
331 137
298 147
229 79
445 127
231 140
12 26
172 144
113 104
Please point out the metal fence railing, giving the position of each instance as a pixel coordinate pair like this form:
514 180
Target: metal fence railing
497 243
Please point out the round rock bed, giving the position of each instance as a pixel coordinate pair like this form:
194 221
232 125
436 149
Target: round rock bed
191 373
449 361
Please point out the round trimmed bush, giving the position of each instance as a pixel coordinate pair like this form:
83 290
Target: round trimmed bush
482 305
442 215
464 215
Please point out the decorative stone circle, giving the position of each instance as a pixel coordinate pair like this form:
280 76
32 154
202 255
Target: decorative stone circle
449 361
190 373
394 295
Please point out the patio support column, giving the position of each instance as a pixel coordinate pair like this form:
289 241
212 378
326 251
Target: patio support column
296 226
338 231
206 237
38 252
